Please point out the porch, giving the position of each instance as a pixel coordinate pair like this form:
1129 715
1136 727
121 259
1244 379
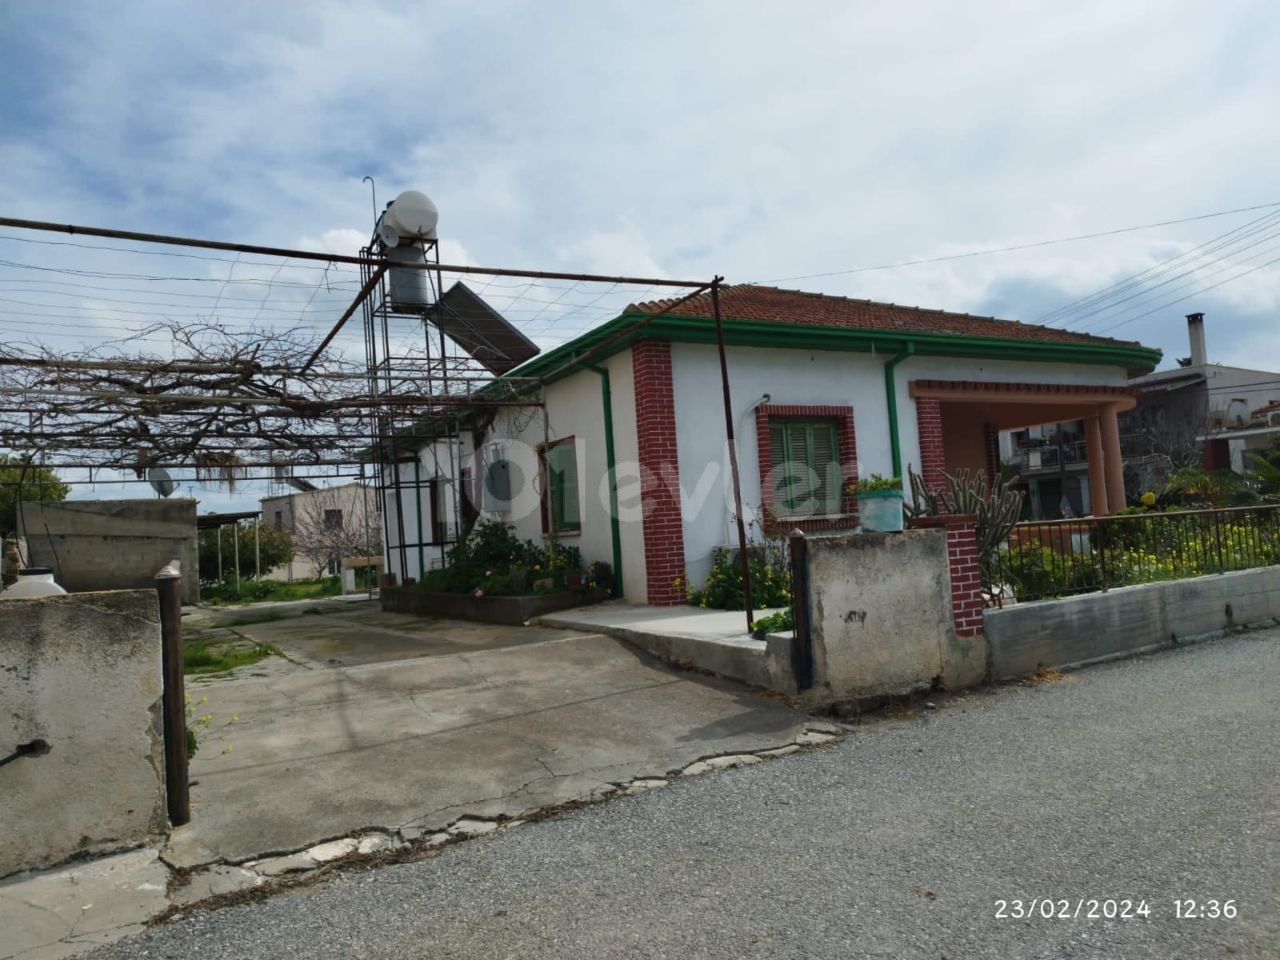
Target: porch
959 423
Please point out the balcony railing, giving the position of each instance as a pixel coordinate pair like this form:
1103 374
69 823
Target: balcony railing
1073 453
1058 558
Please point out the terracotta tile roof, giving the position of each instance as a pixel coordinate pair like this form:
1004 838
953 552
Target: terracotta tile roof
746 301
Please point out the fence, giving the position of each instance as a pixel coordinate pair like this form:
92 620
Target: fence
1058 558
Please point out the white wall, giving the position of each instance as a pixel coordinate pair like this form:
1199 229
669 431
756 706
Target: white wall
807 377
573 407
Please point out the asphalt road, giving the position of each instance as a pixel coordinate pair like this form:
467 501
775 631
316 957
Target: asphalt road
1151 780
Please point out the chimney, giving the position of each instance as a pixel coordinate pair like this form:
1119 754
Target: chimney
1195 334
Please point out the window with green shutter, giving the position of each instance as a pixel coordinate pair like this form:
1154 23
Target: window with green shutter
562 487
806 472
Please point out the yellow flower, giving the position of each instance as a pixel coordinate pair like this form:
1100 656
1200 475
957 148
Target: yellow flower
1148 499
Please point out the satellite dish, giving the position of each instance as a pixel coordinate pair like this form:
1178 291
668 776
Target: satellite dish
413 215
388 234
160 481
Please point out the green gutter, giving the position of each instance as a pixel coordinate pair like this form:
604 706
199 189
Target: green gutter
615 528
891 401
557 363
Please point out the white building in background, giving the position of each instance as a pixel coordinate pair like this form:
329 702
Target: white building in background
352 507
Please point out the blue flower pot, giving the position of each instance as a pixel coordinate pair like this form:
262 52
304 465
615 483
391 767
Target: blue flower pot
881 512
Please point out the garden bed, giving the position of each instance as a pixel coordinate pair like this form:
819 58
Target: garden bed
511 611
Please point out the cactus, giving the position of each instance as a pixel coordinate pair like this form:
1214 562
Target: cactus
995 509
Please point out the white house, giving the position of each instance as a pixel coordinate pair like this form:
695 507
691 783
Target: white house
627 455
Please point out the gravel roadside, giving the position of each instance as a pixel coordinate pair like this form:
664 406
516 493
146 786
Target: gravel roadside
1151 780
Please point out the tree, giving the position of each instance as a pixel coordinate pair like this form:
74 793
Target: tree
19 479
328 525
274 549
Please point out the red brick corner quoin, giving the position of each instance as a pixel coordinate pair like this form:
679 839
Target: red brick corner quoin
847 439
966 579
660 472
933 458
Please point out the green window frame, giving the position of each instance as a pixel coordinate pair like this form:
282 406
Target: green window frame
563 509
806 473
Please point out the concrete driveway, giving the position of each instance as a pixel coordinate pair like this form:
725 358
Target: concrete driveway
393 722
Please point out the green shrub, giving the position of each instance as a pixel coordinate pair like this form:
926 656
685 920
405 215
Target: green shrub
495 561
722 590
778 622
258 591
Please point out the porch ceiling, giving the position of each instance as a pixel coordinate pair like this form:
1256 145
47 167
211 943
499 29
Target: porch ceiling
1013 406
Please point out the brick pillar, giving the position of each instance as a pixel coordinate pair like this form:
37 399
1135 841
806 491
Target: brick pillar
966 577
933 459
659 471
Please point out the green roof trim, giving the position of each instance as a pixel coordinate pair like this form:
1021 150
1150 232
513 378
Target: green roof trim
561 361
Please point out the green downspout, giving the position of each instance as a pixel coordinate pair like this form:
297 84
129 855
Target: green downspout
606 397
891 401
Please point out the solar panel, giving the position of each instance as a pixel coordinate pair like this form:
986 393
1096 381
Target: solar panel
481 331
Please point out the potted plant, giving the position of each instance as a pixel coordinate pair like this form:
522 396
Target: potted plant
879 503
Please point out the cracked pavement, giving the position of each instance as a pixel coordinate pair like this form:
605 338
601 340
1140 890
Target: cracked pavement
396 723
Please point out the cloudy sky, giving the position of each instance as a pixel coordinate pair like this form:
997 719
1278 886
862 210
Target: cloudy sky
761 141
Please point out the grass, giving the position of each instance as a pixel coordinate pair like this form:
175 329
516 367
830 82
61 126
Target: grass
258 591
222 656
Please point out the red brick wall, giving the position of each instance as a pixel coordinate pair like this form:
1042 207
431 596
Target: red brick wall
966 578
660 472
933 458
966 581
847 439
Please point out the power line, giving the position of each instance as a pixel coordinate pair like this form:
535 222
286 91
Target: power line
1195 274
1193 293
1213 245
1026 246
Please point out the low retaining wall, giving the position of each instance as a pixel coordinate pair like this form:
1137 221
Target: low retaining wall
1127 620
80 679
511 611
113 544
885 611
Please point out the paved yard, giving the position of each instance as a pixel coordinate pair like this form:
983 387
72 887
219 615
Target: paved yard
393 721
1153 779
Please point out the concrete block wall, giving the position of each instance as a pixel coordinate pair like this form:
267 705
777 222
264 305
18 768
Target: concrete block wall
1128 620
882 616
81 673
113 544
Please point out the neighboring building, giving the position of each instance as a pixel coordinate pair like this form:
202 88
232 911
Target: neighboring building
1198 413
326 525
1052 463
824 390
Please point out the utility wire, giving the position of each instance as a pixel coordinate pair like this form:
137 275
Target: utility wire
1194 293
1213 245
1028 246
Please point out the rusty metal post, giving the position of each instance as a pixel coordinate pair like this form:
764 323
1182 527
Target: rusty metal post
743 557
174 698
802 640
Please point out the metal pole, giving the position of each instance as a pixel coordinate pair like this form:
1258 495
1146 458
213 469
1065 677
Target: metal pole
257 548
174 699
219 529
235 540
802 641
743 558
331 257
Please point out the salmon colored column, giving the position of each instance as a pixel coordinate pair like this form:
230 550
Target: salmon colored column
1097 470
1113 459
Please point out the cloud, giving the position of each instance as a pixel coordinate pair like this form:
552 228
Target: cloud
673 141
